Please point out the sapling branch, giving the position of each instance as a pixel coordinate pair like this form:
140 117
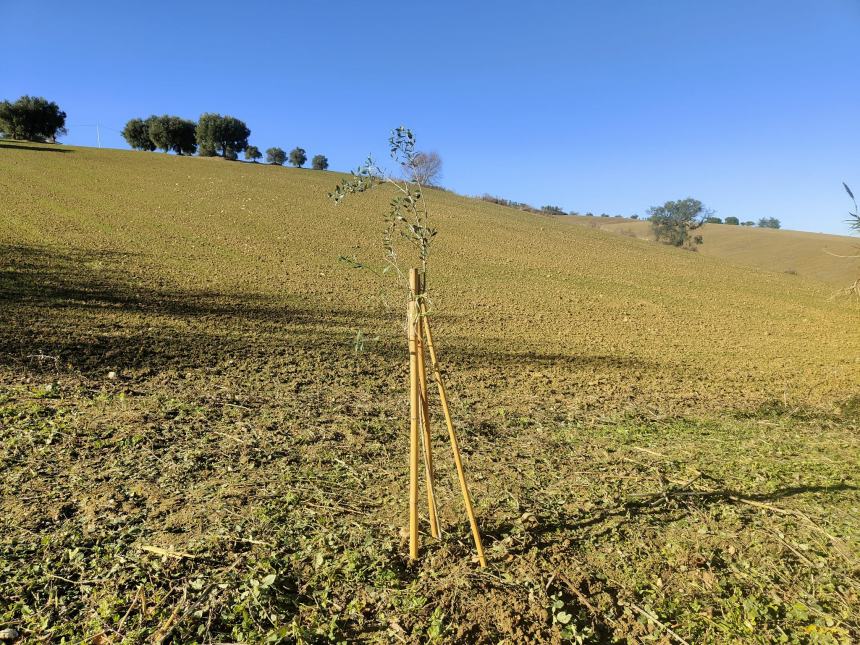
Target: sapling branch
408 218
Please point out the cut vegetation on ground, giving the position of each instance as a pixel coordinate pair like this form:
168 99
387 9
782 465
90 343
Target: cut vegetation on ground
202 422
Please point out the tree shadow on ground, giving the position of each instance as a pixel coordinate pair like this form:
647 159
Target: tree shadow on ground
85 310
560 537
12 146
667 506
82 309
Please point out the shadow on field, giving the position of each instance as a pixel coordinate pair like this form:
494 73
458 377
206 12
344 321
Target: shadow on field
668 506
12 146
87 311
94 311
503 358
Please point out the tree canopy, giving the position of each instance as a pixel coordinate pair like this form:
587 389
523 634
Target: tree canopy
768 222
673 221
136 134
222 133
32 118
298 157
425 168
276 156
252 153
732 221
319 162
172 133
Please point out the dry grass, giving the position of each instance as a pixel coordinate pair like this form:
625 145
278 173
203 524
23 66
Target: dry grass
631 415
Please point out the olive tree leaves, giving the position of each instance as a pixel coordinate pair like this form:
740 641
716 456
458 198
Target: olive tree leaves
407 219
854 222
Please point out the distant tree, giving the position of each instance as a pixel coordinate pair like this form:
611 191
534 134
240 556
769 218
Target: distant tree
553 210
220 133
136 134
673 221
604 214
298 157
768 222
32 118
230 154
713 220
748 223
731 221
319 162
159 132
252 153
172 133
276 156
184 136
618 216
634 217
425 168
589 214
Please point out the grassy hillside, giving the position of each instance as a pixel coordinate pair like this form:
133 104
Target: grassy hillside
659 441
811 255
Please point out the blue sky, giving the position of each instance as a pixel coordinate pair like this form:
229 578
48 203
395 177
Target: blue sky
605 106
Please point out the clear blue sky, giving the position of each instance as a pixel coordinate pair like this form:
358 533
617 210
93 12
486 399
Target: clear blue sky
604 106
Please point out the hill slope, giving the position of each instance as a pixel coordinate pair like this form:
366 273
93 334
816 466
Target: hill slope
504 281
185 365
811 255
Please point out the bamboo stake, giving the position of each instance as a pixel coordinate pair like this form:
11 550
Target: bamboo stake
425 425
412 321
455 446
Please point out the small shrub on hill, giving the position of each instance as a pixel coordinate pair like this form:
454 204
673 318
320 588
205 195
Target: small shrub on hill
501 201
494 200
553 210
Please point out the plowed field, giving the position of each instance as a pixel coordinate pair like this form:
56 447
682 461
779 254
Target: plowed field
203 422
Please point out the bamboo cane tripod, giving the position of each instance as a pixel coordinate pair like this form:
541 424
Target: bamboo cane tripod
419 421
